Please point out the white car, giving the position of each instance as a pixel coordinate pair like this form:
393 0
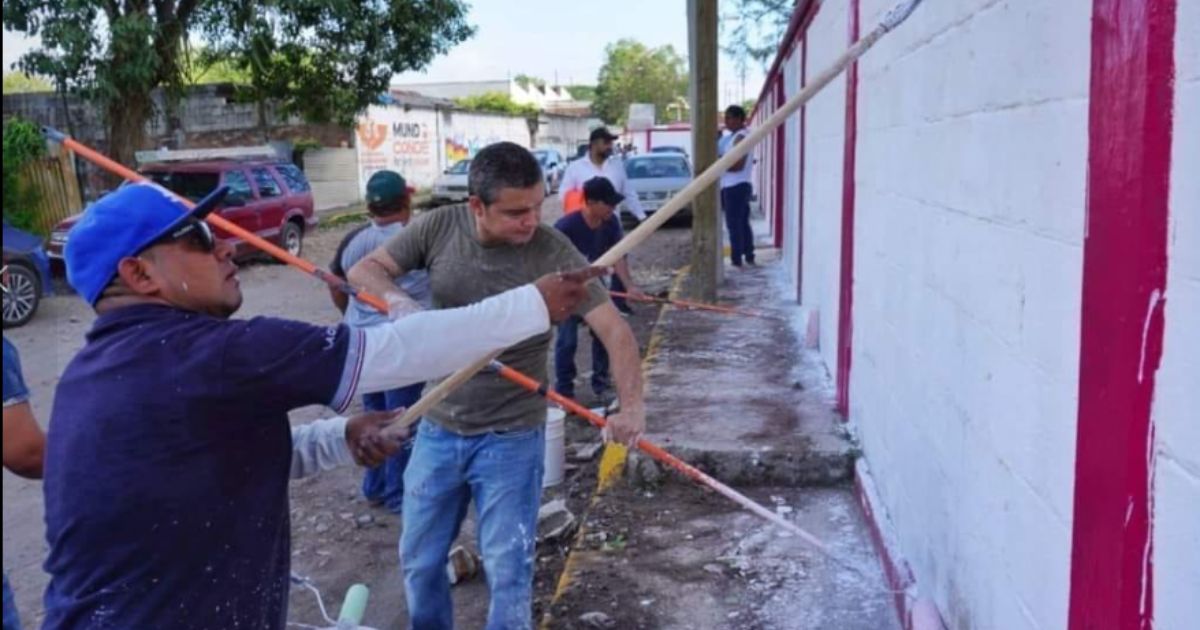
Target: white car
451 185
553 167
656 178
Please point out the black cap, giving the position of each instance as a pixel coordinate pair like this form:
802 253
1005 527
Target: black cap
600 189
601 133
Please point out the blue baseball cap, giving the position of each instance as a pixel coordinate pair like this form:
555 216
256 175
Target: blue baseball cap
121 224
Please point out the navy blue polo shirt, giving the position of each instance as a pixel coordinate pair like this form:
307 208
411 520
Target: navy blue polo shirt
167 466
592 243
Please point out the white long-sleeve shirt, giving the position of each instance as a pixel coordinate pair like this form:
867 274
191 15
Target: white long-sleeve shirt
421 347
613 170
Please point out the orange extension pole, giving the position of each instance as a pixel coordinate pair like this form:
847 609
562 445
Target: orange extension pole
660 454
217 220
699 306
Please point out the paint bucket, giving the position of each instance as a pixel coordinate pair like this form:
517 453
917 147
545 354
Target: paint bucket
556 447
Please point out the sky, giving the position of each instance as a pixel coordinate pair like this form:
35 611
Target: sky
552 39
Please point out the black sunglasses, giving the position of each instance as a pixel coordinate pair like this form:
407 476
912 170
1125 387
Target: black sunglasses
194 232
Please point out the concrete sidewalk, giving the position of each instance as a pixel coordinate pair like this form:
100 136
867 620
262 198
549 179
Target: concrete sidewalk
739 398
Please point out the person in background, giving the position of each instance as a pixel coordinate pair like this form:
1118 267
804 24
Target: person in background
600 162
24 446
593 230
736 189
389 201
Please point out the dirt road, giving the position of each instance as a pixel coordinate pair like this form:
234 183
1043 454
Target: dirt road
337 538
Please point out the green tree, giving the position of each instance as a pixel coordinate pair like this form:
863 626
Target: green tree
752 30
634 73
23 143
322 60
582 92
498 102
18 82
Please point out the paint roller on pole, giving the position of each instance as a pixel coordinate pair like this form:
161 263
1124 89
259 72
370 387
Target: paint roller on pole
890 21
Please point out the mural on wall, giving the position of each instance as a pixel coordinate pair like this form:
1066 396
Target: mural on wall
390 138
460 147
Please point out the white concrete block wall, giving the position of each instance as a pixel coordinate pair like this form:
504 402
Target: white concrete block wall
970 192
1176 523
791 173
824 148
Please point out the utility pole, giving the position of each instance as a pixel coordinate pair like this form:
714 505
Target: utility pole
702 94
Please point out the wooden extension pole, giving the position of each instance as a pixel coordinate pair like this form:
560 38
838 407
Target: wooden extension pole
890 21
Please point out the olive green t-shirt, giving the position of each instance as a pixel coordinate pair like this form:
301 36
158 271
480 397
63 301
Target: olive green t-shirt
462 271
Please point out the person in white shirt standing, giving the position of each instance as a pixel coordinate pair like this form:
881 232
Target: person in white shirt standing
736 189
600 162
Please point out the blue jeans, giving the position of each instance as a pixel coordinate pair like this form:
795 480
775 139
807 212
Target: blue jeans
502 471
385 483
735 201
11 620
565 344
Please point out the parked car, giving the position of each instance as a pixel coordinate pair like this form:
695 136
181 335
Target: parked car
655 178
269 198
580 151
26 275
670 150
451 185
552 167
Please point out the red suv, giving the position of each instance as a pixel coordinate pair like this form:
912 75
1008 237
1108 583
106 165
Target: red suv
269 198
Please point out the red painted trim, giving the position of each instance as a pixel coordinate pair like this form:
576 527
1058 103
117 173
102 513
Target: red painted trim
914 614
1124 281
648 141
785 47
846 282
780 160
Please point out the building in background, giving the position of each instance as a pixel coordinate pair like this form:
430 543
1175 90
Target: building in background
549 98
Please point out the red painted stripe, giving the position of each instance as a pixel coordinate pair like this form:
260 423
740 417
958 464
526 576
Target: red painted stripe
846 285
780 161
1124 279
648 141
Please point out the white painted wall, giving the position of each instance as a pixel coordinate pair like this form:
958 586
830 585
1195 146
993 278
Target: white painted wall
970 189
1177 447
824 148
421 143
791 173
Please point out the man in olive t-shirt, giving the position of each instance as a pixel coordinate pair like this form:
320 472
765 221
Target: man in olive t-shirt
485 440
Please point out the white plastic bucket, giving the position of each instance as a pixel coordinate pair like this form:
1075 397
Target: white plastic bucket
556 447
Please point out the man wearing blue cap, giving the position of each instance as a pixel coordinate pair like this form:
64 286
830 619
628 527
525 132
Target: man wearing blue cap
169 449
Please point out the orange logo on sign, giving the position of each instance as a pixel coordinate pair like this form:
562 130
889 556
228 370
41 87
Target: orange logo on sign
371 135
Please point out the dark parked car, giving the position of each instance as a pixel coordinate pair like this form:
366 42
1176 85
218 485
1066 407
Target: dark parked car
272 199
26 276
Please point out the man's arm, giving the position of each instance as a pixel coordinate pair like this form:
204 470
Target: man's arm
740 164
376 273
570 181
432 344
622 271
614 332
336 442
631 199
24 442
